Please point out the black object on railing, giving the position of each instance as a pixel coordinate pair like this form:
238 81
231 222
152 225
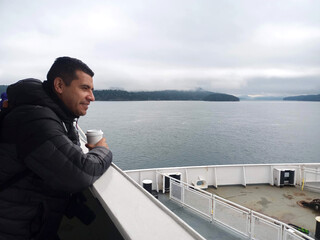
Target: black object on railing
300 229
317 235
147 185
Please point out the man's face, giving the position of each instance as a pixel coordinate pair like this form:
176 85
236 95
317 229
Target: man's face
78 95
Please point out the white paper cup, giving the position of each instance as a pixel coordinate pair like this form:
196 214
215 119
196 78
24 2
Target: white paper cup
94 136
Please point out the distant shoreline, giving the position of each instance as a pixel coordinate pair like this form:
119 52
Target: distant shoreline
313 98
166 95
180 95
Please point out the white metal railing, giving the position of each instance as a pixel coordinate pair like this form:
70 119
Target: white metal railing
233 174
233 216
199 202
263 227
289 235
241 220
311 178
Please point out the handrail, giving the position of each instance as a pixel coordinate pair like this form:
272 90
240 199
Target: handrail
223 166
135 212
207 193
250 212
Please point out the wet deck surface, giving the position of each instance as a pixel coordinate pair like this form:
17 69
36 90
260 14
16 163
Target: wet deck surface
278 203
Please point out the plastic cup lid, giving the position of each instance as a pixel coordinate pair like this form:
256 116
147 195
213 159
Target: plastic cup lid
94 132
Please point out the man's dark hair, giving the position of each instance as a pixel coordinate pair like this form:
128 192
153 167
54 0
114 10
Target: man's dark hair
65 68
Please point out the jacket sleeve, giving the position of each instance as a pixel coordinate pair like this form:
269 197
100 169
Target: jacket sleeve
50 154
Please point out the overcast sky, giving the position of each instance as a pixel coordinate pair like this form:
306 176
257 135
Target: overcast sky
240 47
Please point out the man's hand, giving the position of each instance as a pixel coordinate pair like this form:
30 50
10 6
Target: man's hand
101 143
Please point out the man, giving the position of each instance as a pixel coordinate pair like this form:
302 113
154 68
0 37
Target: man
41 162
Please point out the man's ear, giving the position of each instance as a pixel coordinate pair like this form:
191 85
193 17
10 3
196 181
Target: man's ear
58 85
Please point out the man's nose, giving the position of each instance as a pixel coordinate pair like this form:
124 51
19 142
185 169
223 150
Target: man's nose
91 97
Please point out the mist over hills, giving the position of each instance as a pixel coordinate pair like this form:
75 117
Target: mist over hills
303 98
282 98
262 98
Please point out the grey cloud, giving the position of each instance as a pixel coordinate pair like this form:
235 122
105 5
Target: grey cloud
166 44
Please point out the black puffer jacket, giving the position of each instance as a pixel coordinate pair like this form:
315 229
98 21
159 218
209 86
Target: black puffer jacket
38 136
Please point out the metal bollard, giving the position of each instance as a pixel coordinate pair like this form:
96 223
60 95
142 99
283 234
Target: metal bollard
317 235
147 185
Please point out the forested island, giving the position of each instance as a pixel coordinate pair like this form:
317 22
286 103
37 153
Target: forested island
303 98
166 95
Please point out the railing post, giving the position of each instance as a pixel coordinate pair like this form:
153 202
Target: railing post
251 225
283 232
157 181
182 193
248 225
170 190
163 183
212 207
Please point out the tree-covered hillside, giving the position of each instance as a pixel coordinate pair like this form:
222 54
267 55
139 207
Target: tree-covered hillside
303 98
167 95
221 97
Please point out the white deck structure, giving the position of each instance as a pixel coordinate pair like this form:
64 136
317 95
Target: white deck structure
307 174
138 215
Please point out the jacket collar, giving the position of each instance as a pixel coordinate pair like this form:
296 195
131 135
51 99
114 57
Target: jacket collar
65 112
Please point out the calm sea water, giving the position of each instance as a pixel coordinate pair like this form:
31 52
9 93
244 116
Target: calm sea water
152 134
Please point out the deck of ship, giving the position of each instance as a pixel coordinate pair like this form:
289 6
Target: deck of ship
275 202
279 203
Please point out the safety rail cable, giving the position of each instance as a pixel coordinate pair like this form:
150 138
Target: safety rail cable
258 226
